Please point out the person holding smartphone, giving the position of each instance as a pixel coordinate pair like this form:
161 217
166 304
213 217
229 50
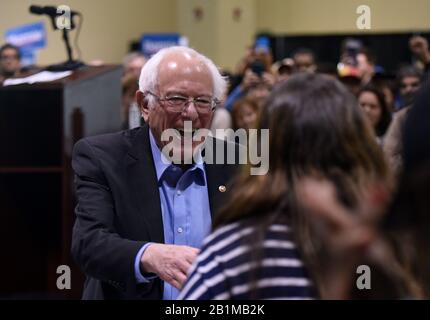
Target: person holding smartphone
258 79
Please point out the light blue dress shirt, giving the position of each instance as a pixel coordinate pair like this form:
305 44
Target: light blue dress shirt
184 206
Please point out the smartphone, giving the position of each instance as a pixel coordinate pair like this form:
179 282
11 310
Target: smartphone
262 44
258 67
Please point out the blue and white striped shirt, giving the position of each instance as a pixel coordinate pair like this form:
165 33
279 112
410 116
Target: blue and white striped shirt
226 268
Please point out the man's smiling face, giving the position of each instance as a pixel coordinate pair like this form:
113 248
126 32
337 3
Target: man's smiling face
180 74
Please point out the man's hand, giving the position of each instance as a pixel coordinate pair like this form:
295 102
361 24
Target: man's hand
170 262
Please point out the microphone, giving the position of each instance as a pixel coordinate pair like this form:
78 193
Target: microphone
55 14
48 10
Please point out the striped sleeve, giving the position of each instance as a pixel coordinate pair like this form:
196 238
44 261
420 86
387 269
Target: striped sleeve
204 285
225 267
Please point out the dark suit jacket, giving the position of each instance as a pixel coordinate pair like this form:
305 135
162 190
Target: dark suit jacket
119 210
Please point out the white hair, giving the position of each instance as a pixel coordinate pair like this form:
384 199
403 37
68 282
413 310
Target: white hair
149 74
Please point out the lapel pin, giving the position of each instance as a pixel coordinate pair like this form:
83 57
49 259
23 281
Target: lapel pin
222 188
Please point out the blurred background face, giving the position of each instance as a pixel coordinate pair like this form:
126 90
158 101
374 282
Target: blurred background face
134 66
246 117
283 77
304 62
9 62
368 101
285 70
363 64
259 93
409 86
352 83
365 67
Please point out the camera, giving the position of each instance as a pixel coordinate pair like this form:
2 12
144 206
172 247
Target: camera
258 67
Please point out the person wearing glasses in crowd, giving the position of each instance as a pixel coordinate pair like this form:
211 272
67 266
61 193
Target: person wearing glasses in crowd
10 61
140 220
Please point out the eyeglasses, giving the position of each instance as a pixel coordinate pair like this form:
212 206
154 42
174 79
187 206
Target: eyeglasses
177 103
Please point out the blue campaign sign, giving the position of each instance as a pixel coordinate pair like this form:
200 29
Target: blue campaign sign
151 43
27 37
28 57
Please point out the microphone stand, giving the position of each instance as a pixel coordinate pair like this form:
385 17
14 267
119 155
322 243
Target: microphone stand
70 64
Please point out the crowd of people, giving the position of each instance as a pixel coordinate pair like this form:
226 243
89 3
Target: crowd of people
349 166
384 99
336 181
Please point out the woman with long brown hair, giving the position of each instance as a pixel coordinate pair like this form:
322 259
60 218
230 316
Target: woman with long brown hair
262 246
396 239
372 100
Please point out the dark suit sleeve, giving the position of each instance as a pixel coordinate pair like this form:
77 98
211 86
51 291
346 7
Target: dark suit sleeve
96 247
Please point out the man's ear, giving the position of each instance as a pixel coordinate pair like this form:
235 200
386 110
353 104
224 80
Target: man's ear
142 102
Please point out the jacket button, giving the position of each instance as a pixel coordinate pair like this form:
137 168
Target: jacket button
222 188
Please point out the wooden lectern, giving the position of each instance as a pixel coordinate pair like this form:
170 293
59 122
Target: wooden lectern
39 125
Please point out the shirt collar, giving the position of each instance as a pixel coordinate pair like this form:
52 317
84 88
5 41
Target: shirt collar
162 163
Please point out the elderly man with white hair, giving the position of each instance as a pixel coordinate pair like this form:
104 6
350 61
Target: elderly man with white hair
140 219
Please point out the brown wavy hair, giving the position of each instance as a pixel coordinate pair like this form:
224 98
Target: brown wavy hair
385 120
316 127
